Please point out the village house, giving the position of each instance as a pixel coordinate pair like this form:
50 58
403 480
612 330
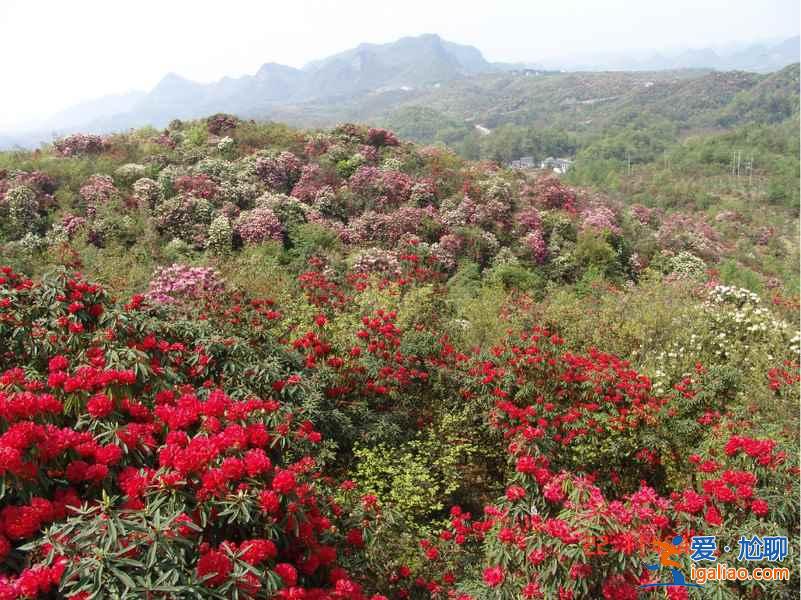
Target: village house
558 165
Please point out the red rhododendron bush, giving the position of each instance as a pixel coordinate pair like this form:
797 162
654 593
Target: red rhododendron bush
130 460
339 366
166 458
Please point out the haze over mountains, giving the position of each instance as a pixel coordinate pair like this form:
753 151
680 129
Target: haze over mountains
758 58
355 78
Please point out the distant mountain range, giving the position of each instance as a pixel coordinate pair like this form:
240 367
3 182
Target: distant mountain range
349 79
758 58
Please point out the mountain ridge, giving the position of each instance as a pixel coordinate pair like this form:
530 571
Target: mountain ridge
351 77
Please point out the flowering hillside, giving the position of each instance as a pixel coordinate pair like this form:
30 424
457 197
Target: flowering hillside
243 361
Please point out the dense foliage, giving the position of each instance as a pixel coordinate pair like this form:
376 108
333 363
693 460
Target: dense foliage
238 360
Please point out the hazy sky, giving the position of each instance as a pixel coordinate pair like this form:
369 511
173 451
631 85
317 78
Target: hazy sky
56 53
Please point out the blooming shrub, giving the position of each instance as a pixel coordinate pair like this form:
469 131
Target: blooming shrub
97 191
200 186
220 123
317 144
687 265
600 218
493 214
218 169
643 214
184 217
495 188
376 260
31 243
423 193
381 137
226 146
739 332
384 188
684 232
388 228
72 224
261 451
312 180
535 244
549 192
22 209
41 183
166 140
130 172
79 144
280 172
182 283
220 236
259 225
529 219
148 191
239 194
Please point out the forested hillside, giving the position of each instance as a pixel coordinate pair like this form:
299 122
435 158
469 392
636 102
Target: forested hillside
537 113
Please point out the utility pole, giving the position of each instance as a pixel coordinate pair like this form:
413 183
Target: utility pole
739 156
628 160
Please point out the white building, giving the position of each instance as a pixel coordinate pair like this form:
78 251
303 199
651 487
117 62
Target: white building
558 165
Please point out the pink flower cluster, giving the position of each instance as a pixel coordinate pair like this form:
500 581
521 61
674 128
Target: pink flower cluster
201 186
680 231
79 144
488 214
535 244
385 187
182 283
381 137
258 225
39 182
451 243
221 122
281 172
642 213
370 153
72 224
317 145
388 228
165 140
600 218
549 192
377 260
312 180
529 219
98 190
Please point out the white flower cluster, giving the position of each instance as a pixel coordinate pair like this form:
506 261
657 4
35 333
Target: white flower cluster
130 172
148 191
733 295
391 164
218 240
22 207
225 145
686 265
31 243
739 331
747 316
795 343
